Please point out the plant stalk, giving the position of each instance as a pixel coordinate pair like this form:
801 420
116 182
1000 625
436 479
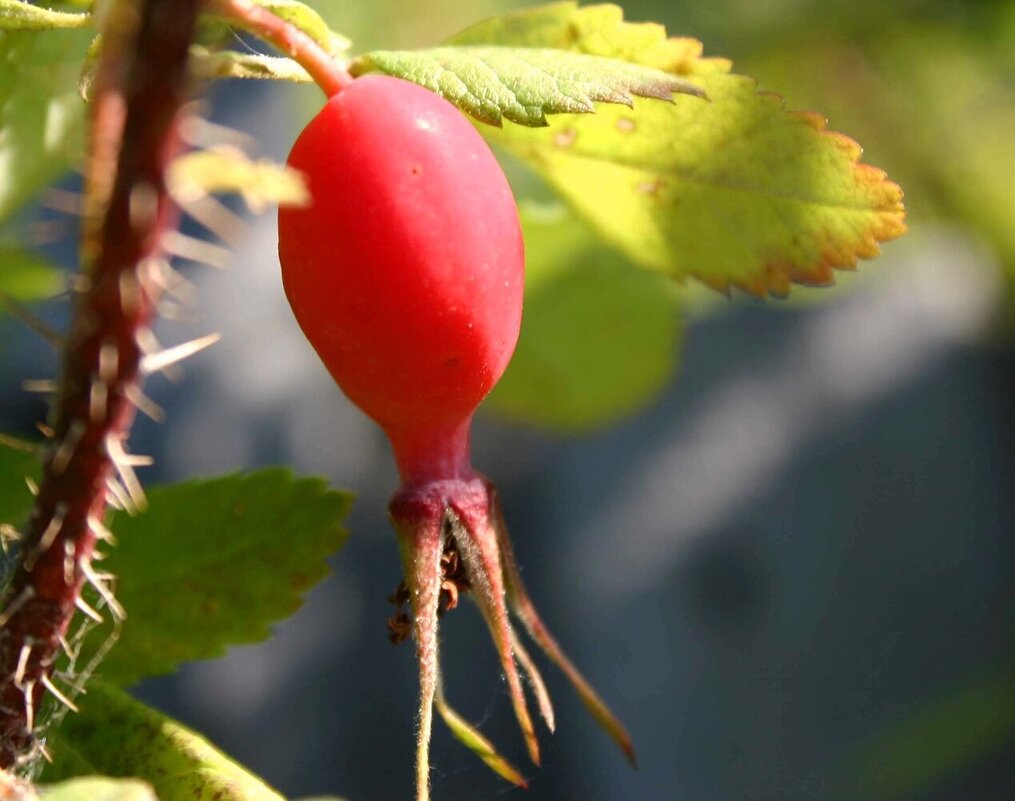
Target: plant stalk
141 85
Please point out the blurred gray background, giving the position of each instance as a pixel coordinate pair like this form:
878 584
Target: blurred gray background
791 576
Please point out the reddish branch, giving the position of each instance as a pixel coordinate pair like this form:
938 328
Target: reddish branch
141 85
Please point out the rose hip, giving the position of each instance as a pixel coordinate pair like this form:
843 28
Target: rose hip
405 272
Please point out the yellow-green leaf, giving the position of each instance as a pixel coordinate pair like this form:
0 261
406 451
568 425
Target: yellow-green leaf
19 16
41 114
600 338
228 169
117 736
734 191
98 788
211 65
25 276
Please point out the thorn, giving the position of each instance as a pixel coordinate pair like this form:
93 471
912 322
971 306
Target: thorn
216 217
82 604
15 606
61 200
32 486
98 581
45 232
150 346
142 205
144 404
98 398
123 463
199 132
100 531
130 292
160 272
157 362
27 691
71 653
122 498
65 451
48 537
16 444
8 534
197 250
39 326
114 502
58 695
79 283
109 362
19 672
45 430
172 309
42 386
69 558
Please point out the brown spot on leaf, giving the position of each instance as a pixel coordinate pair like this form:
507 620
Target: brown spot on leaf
653 187
565 137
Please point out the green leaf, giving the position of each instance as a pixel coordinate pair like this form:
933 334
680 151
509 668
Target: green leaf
18 461
18 16
41 114
213 563
98 788
734 191
523 84
117 736
25 276
600 338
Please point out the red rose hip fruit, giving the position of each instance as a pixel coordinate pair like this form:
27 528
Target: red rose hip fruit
406 269
405 272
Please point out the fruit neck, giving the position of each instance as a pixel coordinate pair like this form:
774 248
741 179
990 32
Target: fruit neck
426 456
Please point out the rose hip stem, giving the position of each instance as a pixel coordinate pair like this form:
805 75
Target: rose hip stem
325 71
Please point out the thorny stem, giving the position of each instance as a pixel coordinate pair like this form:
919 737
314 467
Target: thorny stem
325 71
140 88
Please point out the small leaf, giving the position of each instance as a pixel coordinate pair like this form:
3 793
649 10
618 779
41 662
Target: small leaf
523 85
213 563
212 65
600 337
469 736
41 114
98 788
229 169
302 16
19 16
117 736
735 191
26 276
